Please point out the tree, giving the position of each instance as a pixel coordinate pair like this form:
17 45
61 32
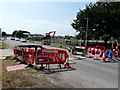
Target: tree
14 33
19 33
103 17
3 34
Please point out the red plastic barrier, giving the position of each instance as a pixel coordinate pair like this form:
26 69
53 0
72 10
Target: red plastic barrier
93 52
100 47
15 50
41 58
19 51
55 56
69 48
35 56
29 55
78 49
116 53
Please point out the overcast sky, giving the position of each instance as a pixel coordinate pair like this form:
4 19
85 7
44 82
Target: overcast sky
39 17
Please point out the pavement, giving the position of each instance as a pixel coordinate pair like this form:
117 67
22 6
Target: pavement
85 72
5 52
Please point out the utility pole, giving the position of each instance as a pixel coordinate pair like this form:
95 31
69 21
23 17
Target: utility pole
112 42
86 31
81 31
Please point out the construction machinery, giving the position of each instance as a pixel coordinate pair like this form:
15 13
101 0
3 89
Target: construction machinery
48 34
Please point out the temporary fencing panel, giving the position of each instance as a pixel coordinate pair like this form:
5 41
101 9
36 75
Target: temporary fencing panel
111 54
15 50
19 50
41 57
69 48
56 56
93 52
29 55
100 47
78 49
116 53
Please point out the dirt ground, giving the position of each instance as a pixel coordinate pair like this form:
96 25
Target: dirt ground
26 78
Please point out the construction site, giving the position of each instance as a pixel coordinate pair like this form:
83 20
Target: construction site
44 51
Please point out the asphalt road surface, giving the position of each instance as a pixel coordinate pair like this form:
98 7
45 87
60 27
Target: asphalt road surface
85 72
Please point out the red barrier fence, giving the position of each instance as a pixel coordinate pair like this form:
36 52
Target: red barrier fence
100 47
93 52
55 56
35 56
116 53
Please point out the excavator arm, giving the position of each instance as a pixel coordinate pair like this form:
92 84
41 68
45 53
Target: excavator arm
48 35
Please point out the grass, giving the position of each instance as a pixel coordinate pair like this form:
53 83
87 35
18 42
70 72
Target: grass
51 45
3 45
25 78
57 46
8 58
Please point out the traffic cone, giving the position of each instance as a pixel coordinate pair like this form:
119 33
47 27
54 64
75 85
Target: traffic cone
103 57
67 63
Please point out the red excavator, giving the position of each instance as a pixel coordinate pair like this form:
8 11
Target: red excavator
48 42
48 34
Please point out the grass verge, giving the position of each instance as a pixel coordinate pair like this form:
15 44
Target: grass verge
3 45
57 46
25 78
50 45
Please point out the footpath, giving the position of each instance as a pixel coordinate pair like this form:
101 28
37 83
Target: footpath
5 53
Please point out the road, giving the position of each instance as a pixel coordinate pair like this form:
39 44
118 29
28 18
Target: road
85 72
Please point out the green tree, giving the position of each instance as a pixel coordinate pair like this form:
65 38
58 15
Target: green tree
19 33
103 18
14 33
3 34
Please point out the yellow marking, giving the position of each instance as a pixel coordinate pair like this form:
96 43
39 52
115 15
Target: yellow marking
2 57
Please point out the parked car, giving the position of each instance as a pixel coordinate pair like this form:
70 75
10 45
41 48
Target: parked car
23 40
17 39
12 38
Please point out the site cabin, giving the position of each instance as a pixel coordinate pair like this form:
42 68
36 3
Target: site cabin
38 55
